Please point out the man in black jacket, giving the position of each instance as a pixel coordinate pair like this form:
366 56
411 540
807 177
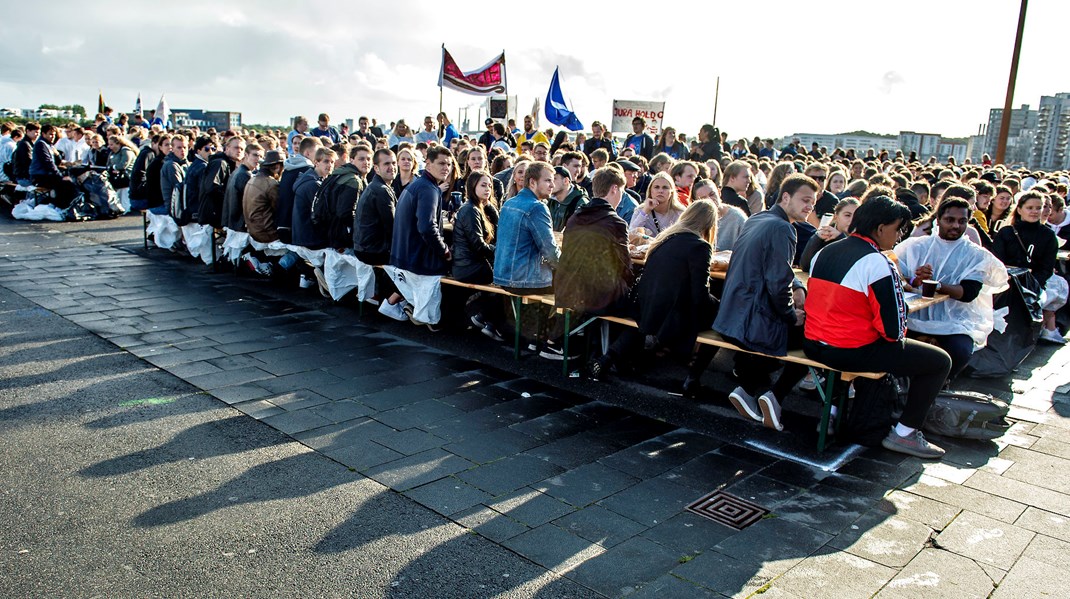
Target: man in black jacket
594 275
203 148
23 155
736 181
373 224
333 207
600 138
214 184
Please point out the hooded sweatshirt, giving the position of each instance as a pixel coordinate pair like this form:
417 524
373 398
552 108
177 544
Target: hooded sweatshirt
292 169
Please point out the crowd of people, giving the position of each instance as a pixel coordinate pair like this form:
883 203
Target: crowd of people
617 227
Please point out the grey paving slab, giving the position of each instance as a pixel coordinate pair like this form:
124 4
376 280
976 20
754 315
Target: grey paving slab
981 502
312 380
729 576
1009 488
671 587
193 369
1053 525
1048 550
509 474
766 492
239 393
576 450
298 400
1034 578
409 442
587 484
554 548
488 523
530 507
417 414
258 409
1036 468
651 501
341 410
773 539
940 575
422 468
599 525
227 378
556 425
834 576
342 434
688 534
985 540
296 422
711 471
934 514
825 508
883 539
626 567
448 495
655 456
361 455
493 445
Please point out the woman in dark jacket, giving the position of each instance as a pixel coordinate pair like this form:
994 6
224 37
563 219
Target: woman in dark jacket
139 185
675 303
153 191
1028 243
473 252
834 231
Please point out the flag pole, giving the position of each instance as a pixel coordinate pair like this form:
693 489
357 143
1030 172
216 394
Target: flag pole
440 77
716 98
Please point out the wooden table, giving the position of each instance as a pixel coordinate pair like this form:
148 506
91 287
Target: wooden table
1063 255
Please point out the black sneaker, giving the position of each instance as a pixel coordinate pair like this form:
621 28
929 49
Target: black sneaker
598 368
491 332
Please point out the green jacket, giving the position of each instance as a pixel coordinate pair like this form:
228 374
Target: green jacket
561 211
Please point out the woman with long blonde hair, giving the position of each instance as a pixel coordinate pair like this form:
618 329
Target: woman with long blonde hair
660 210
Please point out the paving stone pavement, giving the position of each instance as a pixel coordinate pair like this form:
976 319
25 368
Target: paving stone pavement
587 488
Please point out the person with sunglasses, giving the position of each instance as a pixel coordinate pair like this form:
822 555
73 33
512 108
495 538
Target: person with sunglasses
826 200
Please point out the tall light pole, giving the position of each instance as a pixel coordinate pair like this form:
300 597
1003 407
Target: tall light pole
1005 121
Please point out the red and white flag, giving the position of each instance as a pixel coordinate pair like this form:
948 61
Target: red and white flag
488 80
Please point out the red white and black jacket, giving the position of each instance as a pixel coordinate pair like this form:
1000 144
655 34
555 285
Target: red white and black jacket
855 296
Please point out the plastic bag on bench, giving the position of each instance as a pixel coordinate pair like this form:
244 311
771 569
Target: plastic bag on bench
163 229
341 273
235 244
365 281
198 241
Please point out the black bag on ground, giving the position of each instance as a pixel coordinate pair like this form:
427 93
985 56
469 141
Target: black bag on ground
871 414
967 415
1007 350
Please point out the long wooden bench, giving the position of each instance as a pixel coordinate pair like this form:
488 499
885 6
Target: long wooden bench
827 393
516 300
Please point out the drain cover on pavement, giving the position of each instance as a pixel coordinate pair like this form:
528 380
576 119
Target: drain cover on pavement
728 509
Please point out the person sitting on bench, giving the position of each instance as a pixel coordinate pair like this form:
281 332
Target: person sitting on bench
857 319
44 172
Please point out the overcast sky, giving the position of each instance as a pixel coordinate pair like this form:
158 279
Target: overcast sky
817 66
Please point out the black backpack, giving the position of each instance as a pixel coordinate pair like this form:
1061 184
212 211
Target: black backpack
967 415
870 415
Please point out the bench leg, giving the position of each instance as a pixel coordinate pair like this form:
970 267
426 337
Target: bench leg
516 339
145 228
215 262
826 405
564 345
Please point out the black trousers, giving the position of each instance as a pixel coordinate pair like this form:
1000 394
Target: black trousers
754 372
65 190
926 365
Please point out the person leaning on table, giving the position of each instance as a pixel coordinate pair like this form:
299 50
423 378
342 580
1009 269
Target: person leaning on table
856 319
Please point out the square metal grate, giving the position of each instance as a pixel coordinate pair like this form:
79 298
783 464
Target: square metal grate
728 509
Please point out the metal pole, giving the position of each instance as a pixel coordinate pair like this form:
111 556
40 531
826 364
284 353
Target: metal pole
716 98
1005 120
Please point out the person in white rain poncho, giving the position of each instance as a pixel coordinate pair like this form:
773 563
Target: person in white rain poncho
968 273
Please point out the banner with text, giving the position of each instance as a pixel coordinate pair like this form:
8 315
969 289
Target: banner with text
626 110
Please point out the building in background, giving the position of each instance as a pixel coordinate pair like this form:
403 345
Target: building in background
1020 137
1050 144
859 141
923 145
194 117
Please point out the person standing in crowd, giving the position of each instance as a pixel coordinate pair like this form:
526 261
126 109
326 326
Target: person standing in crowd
1027 243
567 198
300 129
428 134
964 271
401 133
173 173
407 170
418 253
762 305
260 199
660 210
857 318
305 188
709 147
44 172
533 135
736 181
295 166
668 144
233 211
214 184
601 139
325 129
446 131
640 141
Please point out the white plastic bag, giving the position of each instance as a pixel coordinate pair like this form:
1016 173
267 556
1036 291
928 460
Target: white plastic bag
198 241
424 292
25 210
163 229
365 281
340 271
235 244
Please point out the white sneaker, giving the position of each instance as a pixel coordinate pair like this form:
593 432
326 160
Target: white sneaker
809 383
395 311
770 411
745 404
1052 336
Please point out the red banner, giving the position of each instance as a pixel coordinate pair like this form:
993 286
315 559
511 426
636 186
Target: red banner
488 80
